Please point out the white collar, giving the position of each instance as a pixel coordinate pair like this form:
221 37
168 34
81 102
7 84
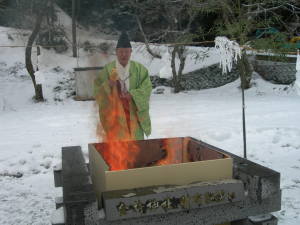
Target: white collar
123 70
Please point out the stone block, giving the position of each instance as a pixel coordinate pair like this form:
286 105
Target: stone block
267 219
59 202
161 200
143 202
215 193
57 178
91 214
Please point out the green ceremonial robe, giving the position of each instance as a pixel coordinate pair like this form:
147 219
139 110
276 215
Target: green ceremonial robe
111 112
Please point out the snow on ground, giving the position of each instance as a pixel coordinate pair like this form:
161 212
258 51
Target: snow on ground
32 134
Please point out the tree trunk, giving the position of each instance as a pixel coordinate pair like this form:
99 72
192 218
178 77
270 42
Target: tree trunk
28 62
174 72
181 66
74 28
179 50
245 71
155 55
50 21
39 93
52 12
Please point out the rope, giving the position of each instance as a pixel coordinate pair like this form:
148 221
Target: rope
33 46
169 44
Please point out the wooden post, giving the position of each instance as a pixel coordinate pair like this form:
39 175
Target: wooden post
74 28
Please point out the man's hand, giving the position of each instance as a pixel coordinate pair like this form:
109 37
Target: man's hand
114 75
113 78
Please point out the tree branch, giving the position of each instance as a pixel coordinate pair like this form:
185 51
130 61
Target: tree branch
155 55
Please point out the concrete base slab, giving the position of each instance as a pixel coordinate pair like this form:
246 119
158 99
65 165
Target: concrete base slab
207 216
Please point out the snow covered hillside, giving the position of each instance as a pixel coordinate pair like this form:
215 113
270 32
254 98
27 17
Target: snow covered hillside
32 134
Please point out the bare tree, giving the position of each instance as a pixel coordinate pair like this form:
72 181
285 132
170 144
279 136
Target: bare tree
51 18
39 9
172 22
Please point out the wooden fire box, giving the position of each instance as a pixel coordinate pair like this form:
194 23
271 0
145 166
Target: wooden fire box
189 162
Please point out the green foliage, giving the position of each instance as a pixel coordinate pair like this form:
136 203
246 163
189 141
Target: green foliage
275 44
273 41
239 19
238 30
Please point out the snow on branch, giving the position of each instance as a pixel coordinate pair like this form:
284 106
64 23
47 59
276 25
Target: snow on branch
229 51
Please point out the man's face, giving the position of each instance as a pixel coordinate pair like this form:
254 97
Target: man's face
123 55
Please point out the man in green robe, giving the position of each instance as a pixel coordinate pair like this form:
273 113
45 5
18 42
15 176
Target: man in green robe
122 90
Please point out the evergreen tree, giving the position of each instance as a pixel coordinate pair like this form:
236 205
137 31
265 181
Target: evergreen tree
239 19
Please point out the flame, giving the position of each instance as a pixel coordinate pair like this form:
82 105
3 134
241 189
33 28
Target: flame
120 155
121 150
174 153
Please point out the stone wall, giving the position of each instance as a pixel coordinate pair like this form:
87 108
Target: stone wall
209 77
212 76
276 72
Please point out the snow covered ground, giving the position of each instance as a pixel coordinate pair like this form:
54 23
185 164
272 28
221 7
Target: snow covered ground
32 134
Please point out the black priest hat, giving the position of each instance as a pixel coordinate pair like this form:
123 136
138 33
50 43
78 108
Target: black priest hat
123 41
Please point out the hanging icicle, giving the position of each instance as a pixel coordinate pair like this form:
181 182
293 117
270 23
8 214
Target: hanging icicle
229 51
298 61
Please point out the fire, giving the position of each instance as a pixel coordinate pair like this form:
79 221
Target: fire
121 150
173 153
120 155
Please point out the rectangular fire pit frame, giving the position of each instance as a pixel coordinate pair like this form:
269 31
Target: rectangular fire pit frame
207 164
261 184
